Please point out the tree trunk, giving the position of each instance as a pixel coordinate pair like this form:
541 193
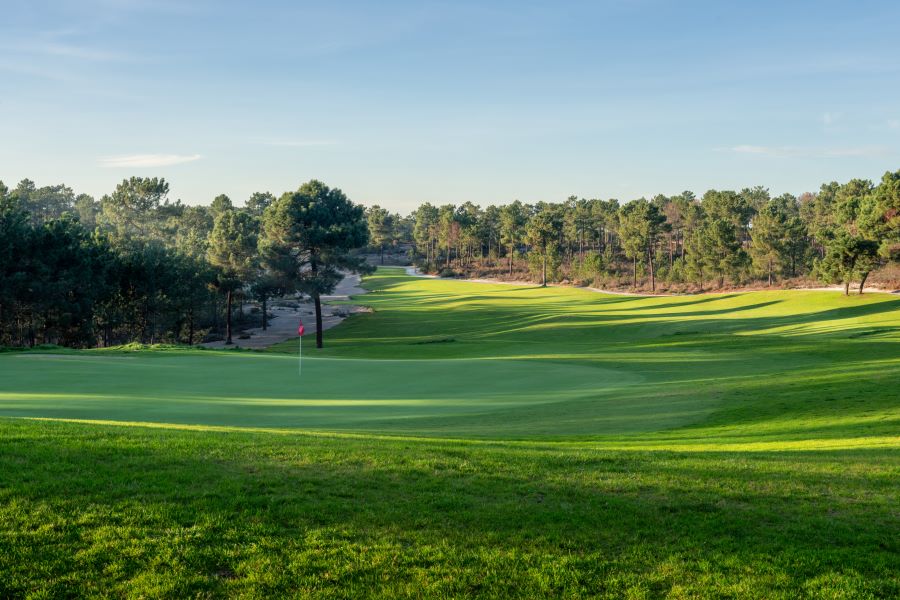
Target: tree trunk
265 322
847 287
652 274
228 341
143 318
191 325
318 302
382 254
544 270
770 272
634 272
510 259
862 284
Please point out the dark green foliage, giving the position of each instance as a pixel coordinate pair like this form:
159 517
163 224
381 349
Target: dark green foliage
851 239
542 233
152 262
137 267
43 204
316 227
132 208
640 225
513 217
425 231
52 278
60 283
879 217
232 251
259 202
728 238
220 204
380 226
847 257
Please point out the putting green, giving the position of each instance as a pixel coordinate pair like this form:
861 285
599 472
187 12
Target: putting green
337 394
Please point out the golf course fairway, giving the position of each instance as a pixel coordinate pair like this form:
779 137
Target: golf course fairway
471 440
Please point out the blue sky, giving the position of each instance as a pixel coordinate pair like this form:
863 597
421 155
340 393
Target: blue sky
403 102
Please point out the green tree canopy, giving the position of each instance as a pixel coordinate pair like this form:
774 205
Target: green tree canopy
232 251
317 226
542 231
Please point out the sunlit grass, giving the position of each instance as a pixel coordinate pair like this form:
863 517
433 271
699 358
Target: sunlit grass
471 440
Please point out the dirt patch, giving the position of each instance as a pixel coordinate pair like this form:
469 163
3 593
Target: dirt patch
78 357
414 272
286 318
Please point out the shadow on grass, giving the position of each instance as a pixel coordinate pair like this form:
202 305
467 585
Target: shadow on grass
135 510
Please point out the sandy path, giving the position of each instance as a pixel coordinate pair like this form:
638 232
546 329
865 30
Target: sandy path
285 319
414 272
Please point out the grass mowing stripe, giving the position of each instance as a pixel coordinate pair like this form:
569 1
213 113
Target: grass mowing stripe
472 440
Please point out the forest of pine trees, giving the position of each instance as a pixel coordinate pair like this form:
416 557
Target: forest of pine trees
838 235
135 266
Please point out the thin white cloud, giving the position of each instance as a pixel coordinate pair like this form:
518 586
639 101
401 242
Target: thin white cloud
80 52
23 68
298 143
893 123
143 161
748 149
52 48
830 118
810 152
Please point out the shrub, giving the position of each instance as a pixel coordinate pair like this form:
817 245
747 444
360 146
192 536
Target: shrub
677 273
591 266
536 264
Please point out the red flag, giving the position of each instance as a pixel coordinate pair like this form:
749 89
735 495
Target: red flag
301 330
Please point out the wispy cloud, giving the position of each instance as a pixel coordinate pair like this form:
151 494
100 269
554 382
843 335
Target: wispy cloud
143 161
24 68
893 123
50 47
298 143
830 118
80 52
810 152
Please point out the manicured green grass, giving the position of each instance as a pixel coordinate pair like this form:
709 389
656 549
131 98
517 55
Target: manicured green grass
471 440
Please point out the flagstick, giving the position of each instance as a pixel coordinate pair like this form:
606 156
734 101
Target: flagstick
300 358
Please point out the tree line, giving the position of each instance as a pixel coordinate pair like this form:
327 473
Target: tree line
839 234
137 267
